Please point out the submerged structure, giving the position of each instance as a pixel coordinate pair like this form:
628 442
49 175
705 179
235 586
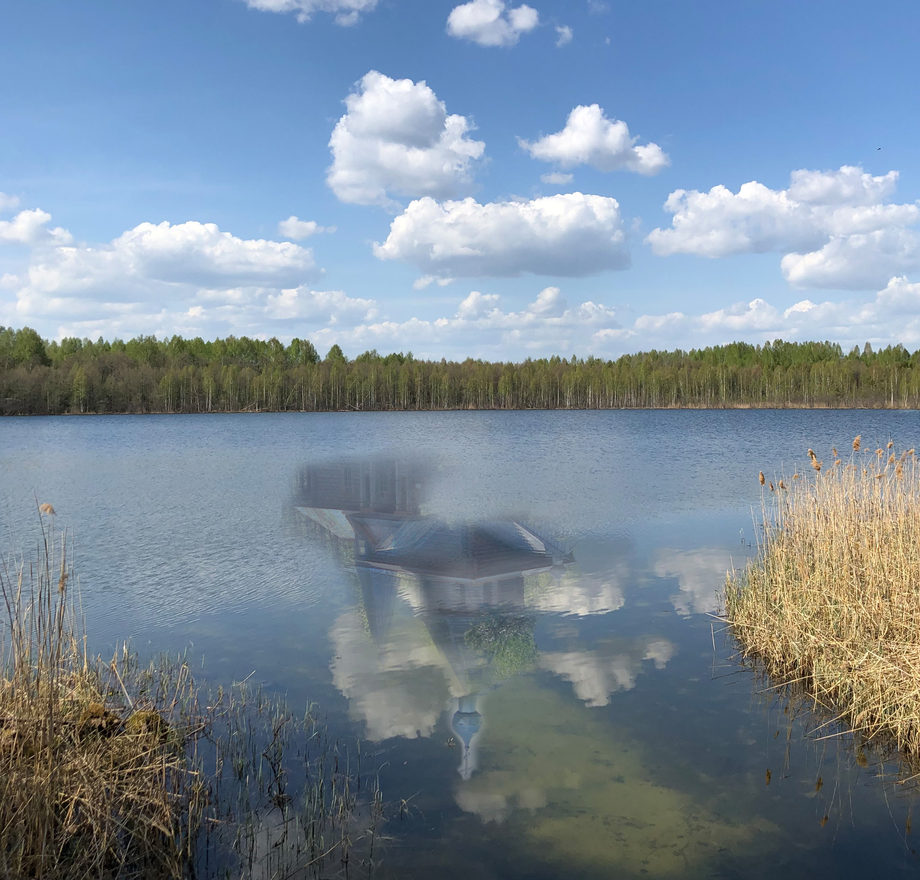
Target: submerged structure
464 580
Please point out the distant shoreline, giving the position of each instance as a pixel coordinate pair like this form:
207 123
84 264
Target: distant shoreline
249 412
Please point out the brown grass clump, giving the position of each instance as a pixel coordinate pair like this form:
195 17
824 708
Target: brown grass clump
85 789
102 764
832 600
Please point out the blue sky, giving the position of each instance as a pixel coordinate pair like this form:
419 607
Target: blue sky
486 179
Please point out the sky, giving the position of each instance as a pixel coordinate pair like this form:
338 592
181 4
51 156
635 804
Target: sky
482 179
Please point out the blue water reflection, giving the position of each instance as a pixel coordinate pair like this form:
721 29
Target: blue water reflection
512 610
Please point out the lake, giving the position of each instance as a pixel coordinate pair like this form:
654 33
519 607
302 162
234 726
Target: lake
513 611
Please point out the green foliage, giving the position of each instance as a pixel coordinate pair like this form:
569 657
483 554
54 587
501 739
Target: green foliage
507 642
146 374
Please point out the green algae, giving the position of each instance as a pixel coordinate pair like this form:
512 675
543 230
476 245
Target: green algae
585 796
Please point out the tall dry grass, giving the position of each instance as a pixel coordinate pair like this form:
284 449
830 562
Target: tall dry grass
832 600
96 778
115 770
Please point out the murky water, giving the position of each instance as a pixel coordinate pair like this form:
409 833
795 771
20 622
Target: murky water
512 610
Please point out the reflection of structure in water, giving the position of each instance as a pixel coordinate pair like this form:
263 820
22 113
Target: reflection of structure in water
454 576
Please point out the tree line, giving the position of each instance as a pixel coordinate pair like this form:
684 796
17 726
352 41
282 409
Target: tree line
239 374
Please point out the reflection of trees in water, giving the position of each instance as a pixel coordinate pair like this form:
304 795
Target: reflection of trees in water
507 641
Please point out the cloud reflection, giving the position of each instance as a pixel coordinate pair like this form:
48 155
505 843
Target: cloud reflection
597 675
700 575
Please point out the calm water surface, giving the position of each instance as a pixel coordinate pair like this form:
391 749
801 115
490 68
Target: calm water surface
511 610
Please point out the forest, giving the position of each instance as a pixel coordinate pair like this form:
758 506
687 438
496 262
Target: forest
240 374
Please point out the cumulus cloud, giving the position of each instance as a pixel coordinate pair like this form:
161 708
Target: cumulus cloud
857 261
480 327
298 229
346 12
563 35
590 138
835 227
564 235
29 227
189 277
201 254
490 23
477 305
397 139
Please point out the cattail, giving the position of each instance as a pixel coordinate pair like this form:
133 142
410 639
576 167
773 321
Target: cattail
762 478
771 487
782 485
890 444
811 454
856 441
816 464
46 508
834 450
891 458
796 476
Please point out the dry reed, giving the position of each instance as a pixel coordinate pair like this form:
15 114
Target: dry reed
95 777
832 601
113 770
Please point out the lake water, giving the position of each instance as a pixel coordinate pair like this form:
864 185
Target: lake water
513 612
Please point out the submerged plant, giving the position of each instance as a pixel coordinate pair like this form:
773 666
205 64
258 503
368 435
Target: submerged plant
832 600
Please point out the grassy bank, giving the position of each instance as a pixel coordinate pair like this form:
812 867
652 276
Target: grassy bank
832 601
113 769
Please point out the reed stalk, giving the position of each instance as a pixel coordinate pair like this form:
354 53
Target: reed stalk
110 769
832 599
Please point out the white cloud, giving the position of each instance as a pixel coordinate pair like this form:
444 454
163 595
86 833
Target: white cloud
563 35
302 303
565 235
482 328
857 261
199 253
298 229
427 280
489 23
834 227
590 138
29 227
847 186
189 278
398 139
477 305
8 202
346 12
557 178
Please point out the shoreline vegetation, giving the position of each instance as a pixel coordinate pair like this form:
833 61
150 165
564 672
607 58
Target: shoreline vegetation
831 602
117 770
176 375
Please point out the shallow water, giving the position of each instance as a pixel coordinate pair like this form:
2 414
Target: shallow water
513 610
